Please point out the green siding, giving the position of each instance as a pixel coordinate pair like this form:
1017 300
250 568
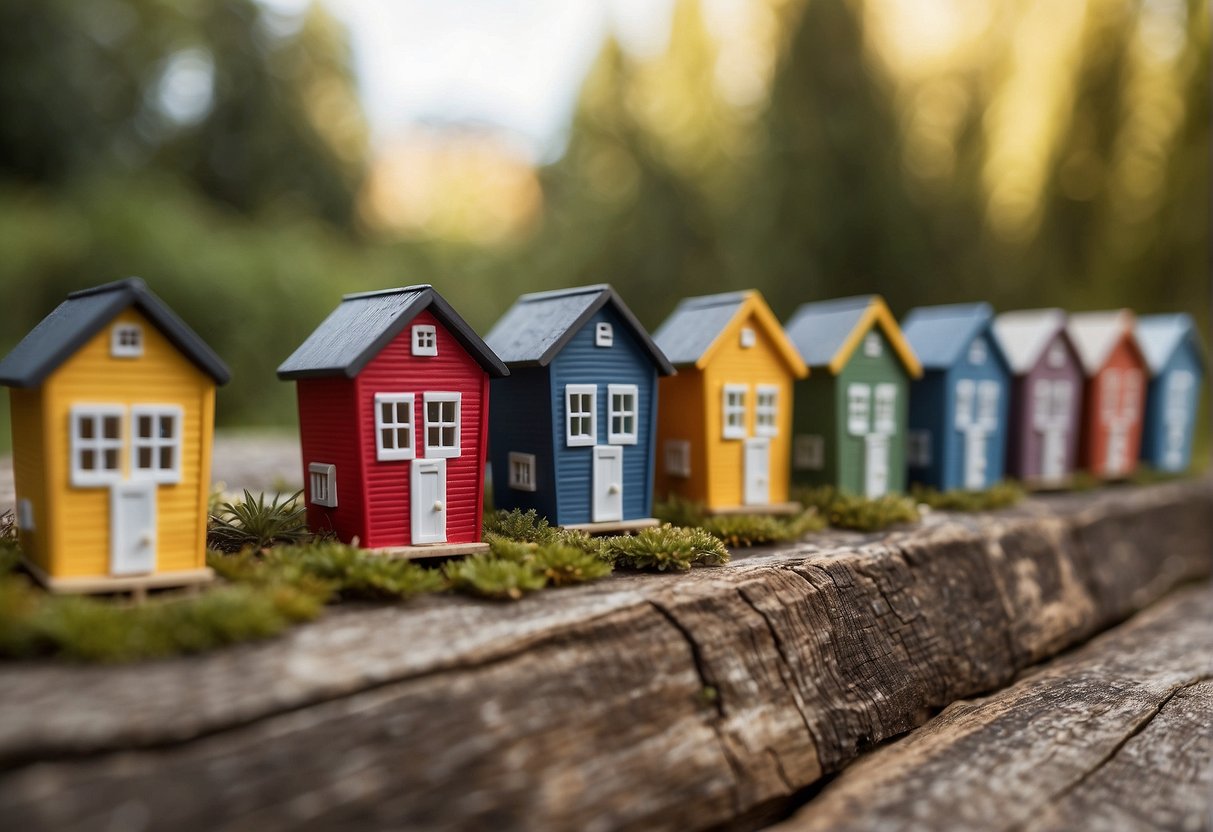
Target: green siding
813 413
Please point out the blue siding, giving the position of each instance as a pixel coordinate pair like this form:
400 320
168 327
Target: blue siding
1154 435
933 408
581 362
520 420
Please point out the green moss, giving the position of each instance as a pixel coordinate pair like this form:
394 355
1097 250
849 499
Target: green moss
1002 495
490 577
741 529
848 511
666 548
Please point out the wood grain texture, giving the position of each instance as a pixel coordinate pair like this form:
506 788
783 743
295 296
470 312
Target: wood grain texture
1112 737
660 702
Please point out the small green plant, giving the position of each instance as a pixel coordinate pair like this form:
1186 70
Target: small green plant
666 548
1002 495
564 565
741 529
254 523
848 511
490 577
526 526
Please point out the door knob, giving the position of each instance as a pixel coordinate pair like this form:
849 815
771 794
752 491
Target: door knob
145 540
613 488
438 506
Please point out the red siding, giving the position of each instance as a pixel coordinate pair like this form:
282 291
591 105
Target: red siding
397 370
327 415
1096 434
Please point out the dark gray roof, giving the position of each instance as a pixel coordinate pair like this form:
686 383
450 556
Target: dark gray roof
85 313
365 323
939 335
537 327
694 325
819 329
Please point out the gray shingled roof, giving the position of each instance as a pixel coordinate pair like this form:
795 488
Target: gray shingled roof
365 323
537 327
694 325
939 335
85 313
819 329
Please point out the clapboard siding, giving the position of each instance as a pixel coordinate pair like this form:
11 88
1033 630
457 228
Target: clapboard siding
327 413
521 422
885 368
1154 437
1096 433
1024 443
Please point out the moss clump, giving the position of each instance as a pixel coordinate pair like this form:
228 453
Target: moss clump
666 548
254 523
848 511
741 529
1002 495
490 577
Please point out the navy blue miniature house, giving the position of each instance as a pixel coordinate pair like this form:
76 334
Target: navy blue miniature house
572 430
1175 358
960 407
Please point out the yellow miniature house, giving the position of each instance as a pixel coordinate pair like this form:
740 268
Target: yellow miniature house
112 416
724 422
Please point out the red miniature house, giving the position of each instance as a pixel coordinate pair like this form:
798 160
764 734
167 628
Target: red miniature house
393 416
1114 393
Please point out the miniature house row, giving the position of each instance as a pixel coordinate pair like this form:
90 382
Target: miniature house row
113 411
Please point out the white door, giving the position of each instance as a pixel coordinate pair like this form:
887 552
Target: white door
132 528
975 459
427 485
608 484
1176 407
876 465
757 472
1051 418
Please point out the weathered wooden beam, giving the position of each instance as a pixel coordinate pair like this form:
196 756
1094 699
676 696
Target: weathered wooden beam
656 701
1113 736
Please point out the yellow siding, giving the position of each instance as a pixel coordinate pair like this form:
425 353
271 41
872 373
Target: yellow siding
79 526
680 416
761 364
29 452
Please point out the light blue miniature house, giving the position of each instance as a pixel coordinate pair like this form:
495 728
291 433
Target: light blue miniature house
1176 361
959 408
572 435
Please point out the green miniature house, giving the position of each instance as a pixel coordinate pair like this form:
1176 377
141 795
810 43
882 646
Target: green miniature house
850 414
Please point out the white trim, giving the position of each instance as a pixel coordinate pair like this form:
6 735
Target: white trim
324 475
142 538
884 411
872 345
122 346
756 471
978 352
677 458
728 409
764 426
157 444
100 446
580 439
417 510
522 471
440 449
607 484
385 454
425 339
623 437
748 337
859 409
604 334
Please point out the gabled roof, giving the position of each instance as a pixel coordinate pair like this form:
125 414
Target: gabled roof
693 331
827 332
539 325
71 324
1159 336
1023 335
940 335
1096 334
365 323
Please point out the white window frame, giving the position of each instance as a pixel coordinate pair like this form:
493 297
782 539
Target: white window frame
604 334
1110 393
98 444
391 454
918 448
989 393
872 346
119 349
978 352
766 414
442 451
748 337
965 406
623 437
859 409
580 439
884 409
155 443
729 408
425 339
1132 394
323 473
518 463
808 452
677 454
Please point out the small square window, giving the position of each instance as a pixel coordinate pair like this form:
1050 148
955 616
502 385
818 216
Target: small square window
522 471
322 482
394 426
977 352
859 402
604 335
425 340
1057 357
808 452
156 444
441 425
766 411
734 410
918 448
126 341
678 458
622 414
871 345
581 414
748 338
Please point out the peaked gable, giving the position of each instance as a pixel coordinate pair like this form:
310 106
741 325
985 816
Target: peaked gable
539 325
697 326
941 335
1160 336
1024 335
1096 335
364 323
826 333
85 313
